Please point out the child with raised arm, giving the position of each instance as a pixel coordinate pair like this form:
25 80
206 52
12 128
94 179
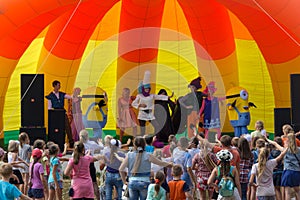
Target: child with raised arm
7 190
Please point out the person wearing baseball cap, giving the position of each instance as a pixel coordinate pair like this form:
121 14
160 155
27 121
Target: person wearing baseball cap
36 171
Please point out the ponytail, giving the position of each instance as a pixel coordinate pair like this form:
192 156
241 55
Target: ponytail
79 148
139 144
159 178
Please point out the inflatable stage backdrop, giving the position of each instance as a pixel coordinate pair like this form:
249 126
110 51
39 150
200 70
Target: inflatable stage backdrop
109 44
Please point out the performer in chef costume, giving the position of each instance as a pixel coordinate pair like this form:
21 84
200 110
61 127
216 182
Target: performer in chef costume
144 102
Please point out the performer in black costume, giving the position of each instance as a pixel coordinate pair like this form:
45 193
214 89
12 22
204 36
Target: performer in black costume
163 117
56 100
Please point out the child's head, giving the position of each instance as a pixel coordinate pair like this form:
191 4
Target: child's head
13 146
36 154
260 143
172 138
177 170
194 142
278 140
6 170
244 148
53 150
286 129
107 140
40 144
183 143
225 141
235 142
149 139
23 138
259 125
84 135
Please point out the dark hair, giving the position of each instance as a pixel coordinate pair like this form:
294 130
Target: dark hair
163 91
195 141
78 151
55 83
177 170
139 143
279 141
22 138
149 139
226 140
53 149
38 144
159 178
244 148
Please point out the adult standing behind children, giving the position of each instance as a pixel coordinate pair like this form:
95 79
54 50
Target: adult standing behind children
91 147
56 100
78 169
138 163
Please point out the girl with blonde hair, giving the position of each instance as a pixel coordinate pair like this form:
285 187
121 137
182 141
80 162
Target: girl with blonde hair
291 172
263 171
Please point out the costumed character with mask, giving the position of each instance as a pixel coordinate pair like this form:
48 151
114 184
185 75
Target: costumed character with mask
238 110
144 102
211 110
192 102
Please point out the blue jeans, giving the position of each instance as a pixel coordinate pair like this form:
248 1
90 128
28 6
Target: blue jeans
113 179
244 187
138 189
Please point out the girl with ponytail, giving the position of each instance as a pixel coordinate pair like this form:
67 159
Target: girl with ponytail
138 163
263 171
78 169
155 191
37 183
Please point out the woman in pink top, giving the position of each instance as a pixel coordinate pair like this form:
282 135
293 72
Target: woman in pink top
78 169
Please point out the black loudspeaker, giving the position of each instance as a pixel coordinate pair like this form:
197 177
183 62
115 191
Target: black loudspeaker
295 100
281 116
35 133
56 127
32 104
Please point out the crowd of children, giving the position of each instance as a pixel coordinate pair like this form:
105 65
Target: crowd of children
232 168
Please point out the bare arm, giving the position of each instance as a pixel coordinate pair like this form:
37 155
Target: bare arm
237 180
122 169
280 148
280 157
68 169
156 161
212 178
